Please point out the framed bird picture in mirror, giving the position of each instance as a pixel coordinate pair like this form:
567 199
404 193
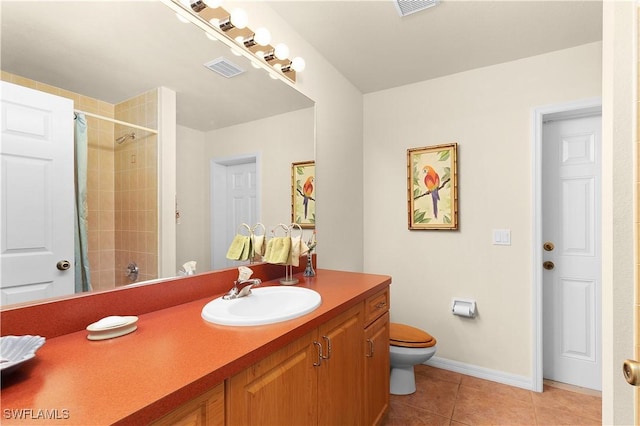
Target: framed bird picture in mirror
303 193
432 187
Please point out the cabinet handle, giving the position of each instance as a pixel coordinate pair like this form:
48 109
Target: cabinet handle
381 305
319 346
370 352
328 340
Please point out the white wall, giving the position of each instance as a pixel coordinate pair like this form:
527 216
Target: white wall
166 181
192 177
487 111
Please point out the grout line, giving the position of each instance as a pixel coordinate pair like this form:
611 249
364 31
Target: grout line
535 411
455 401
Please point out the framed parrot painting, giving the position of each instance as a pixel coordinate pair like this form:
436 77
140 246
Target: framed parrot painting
303 194
432 187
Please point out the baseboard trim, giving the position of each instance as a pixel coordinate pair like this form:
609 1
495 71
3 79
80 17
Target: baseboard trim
482 372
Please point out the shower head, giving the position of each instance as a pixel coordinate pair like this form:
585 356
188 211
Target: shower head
123 138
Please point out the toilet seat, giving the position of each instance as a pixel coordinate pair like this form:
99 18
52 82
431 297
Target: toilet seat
405 336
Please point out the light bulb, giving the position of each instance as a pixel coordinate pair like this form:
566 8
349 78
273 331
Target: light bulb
281 51
255 65
262 36
215 22
274 77
239 18
213 3
211 37
298 64
239 39
235 51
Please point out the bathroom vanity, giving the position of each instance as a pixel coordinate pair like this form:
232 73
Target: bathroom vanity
330 366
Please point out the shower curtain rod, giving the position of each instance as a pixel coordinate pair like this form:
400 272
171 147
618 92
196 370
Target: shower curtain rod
113 120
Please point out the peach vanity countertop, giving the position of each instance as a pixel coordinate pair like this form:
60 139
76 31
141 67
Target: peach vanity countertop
172 357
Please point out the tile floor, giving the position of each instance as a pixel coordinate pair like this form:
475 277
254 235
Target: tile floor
447 398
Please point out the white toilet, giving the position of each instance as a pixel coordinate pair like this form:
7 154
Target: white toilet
409 346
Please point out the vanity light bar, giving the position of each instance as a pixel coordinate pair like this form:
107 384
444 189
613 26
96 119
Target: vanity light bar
218 22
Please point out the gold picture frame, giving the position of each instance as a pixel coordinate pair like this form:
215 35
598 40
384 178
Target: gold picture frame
432 187
303 194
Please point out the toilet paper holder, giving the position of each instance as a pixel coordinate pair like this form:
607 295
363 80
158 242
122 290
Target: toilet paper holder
463 307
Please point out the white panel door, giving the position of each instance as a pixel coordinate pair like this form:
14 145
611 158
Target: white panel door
233 202
37 193
571 222
241 202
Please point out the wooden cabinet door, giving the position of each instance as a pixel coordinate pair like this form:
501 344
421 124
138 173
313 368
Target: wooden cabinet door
340 390
206 409
278 390
376 370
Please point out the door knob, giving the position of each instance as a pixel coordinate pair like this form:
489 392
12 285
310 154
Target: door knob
63 265
548 246
631 370
548 265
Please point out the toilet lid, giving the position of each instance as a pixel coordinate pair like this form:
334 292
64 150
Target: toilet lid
409 337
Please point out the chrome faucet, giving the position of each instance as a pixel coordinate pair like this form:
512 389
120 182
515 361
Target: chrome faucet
242 288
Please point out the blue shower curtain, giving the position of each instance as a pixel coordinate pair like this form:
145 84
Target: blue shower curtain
83 279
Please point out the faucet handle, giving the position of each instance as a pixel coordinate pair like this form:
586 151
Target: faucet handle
245 291
231 294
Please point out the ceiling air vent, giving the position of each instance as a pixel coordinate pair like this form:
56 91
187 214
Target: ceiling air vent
224 67
407 7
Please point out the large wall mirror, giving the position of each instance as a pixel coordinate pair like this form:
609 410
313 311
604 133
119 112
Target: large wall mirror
111 58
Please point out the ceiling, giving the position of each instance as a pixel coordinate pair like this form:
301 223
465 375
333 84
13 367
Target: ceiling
376 49
113 50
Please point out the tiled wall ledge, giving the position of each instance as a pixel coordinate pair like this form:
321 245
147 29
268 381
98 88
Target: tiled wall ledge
62 316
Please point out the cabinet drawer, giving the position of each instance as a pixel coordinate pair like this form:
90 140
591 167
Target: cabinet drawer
376 305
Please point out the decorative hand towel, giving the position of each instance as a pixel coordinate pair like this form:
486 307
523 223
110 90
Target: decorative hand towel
296 251
237 248
278 250
268 251
247 249
259 247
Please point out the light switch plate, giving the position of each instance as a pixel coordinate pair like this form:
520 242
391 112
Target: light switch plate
502 237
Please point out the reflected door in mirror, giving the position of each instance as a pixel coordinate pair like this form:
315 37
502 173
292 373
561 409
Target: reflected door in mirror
37 193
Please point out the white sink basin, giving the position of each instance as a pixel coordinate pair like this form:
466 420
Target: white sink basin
265 305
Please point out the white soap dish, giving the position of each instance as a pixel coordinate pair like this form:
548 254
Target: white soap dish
112 326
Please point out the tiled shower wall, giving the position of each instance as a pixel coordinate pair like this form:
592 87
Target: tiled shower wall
136 184
100 191
109 251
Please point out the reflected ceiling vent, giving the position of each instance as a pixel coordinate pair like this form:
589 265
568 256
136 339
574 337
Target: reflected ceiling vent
224 67
407 7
